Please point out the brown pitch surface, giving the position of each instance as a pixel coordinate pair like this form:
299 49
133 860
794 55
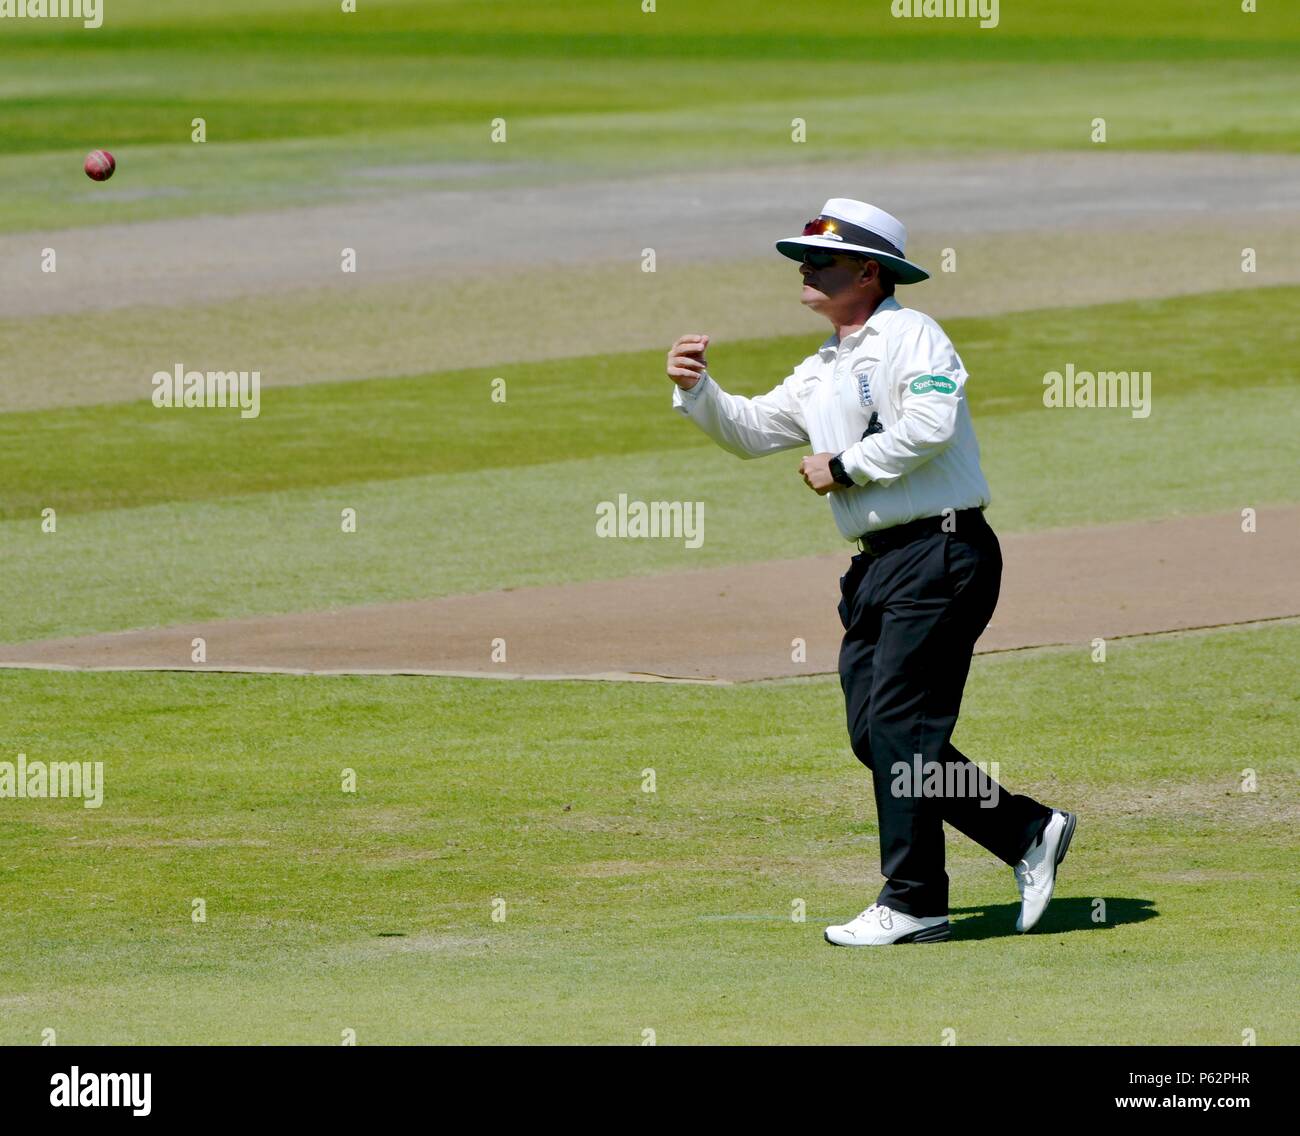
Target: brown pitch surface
738 623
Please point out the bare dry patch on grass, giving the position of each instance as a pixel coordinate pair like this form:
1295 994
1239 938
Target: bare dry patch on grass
145 843
604 869
1219 802
389 821
397 858
1204 876
389 945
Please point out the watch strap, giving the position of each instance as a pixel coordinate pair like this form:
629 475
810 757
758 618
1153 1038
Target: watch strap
838 473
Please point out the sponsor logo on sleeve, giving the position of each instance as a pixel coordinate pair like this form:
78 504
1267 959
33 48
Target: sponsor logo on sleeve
925 384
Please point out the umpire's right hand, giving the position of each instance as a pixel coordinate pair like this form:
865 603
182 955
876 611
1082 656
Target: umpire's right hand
686 362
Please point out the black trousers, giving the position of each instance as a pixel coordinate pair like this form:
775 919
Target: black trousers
911 617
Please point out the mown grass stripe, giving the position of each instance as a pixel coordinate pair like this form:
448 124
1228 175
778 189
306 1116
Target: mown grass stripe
128 454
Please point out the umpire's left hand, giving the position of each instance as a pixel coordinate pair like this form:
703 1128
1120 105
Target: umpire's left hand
816 471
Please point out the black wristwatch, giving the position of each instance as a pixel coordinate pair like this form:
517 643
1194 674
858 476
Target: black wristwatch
838 475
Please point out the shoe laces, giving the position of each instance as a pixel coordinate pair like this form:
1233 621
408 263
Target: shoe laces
883 915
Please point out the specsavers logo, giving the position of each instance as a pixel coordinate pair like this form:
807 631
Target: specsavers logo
924 384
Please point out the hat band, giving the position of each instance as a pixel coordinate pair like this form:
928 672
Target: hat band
852 234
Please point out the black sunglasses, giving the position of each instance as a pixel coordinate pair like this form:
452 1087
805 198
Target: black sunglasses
815 258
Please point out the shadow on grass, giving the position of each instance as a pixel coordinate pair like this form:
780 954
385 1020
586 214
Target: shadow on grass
998 920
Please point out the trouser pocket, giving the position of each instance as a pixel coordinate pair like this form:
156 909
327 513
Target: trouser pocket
849 589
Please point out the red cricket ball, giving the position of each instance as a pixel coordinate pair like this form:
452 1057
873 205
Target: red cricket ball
100 165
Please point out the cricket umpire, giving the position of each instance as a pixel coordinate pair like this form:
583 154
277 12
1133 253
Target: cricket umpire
882 403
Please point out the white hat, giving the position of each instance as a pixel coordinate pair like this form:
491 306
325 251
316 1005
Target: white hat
845 225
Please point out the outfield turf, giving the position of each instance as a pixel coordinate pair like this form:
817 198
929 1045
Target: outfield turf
105 456
299 97
625 910
166 516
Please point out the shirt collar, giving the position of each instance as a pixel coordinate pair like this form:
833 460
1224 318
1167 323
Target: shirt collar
888 304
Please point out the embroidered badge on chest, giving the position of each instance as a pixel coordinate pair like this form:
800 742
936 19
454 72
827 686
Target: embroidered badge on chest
863 379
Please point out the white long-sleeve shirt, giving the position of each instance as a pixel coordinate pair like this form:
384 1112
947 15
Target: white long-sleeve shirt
899 365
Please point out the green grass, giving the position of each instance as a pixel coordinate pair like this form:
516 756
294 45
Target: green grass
502 528
299 97
245 516
625 910
290 156
128 454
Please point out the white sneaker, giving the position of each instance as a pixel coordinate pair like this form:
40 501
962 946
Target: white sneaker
1036 873
881 926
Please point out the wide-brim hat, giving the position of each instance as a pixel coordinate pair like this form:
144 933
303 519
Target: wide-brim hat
849 226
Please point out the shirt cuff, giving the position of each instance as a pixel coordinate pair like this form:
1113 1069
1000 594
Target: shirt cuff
683 400
849 459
